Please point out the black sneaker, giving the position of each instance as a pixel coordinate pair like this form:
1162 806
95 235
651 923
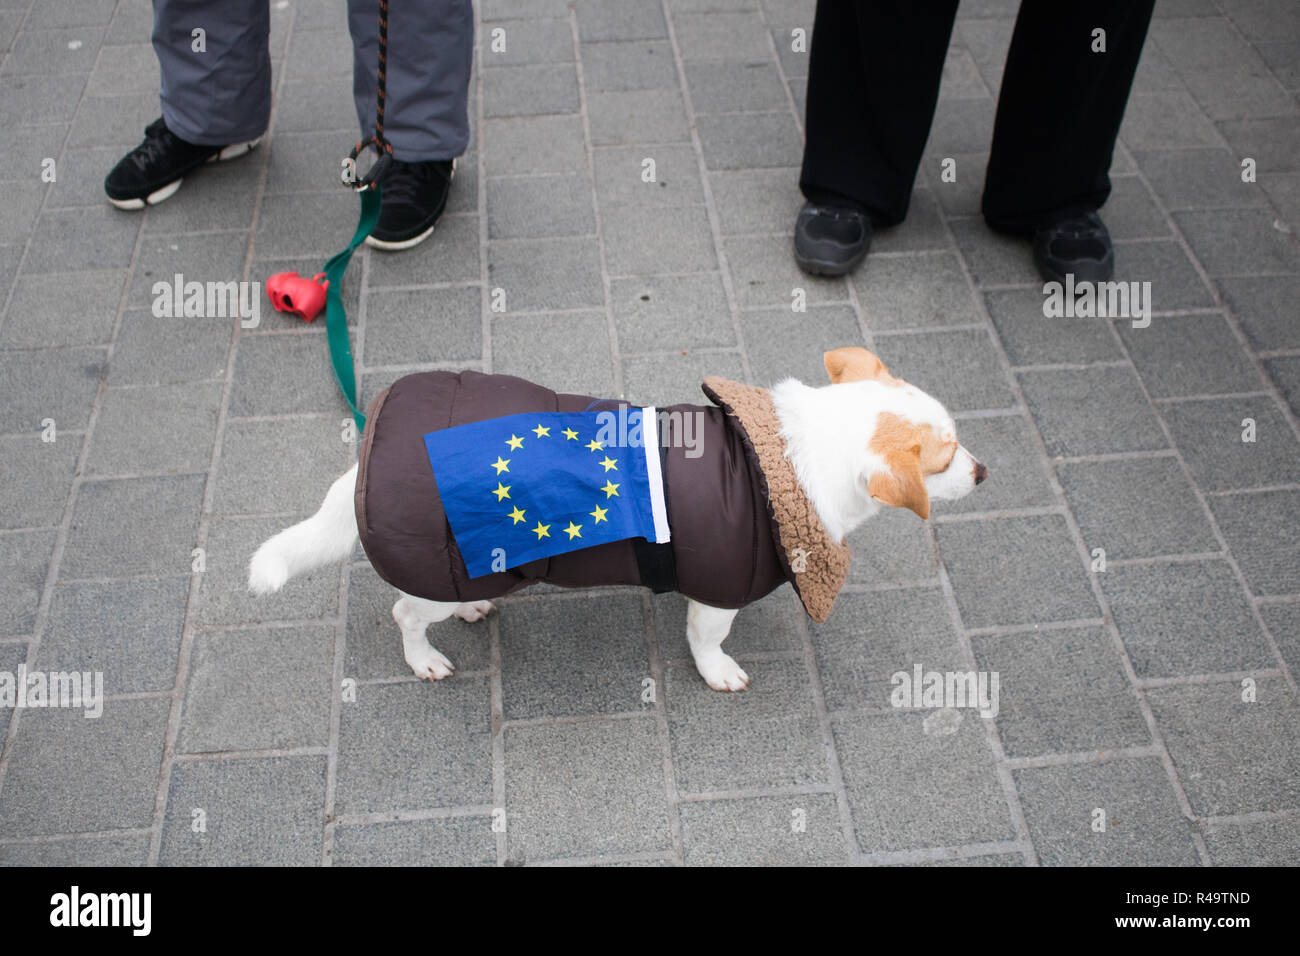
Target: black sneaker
414 196
1077 243
830 240
153 170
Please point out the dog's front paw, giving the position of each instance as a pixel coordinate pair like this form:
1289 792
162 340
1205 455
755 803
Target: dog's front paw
429 664
474 610
721 672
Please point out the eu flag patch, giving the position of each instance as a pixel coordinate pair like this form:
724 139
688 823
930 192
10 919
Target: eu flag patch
530 486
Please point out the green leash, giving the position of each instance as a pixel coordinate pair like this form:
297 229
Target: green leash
336 319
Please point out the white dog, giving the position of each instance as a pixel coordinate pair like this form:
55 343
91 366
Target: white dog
841 451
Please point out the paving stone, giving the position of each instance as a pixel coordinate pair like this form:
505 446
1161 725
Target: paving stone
1184 618
128 68
687 310
1231 756
77 309
770 625
1271 142
1175 283
673 378
756 200
637 116
872 636
767 736
153 351
525 42
262 812
223 588
743 85
168 428
890 549
306 162
1143 824
620 188
1257 528
224 196
82 239
284 375
1091 411
133 526
512 9
1220 70
212 258
1051 585
12 656
764 275
618 20
451 254
958 367
288 226
585 789
655 241
633 65
1061 691
83 774
1209 434
907 788
1131 213
262 689
1238 241
320 103
538 207
1135 508
1169 120
1032 338
1005 446
908 292
961 197
279 466
1285 372
408 327
1283 622
993 258
1198 179
541 274
530 90
784 344
721 36
24 561
747 140
565 352
110 851
51 51
923 229
1261 305
531 145
1257 843
128 630
47 98
40 477
764 831
458 841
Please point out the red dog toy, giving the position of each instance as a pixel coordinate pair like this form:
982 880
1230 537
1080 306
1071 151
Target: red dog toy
290 292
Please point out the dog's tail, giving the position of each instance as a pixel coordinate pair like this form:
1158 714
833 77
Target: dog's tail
326 537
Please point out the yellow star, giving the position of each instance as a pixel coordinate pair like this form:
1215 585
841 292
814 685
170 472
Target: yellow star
599 514
595 445
570 434
501 464
542 431
517 514
610 463
542 531
515 442
575 530
501 491
610 489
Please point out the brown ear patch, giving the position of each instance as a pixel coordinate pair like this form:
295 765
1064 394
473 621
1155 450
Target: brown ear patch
855 364
910 452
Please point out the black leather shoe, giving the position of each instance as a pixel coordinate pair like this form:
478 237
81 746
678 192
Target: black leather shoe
153 170
830 240
414 196
1078 243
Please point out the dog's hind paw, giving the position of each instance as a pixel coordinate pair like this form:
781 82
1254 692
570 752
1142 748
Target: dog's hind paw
267 572
474 610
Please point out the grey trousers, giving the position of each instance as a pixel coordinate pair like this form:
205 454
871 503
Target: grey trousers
223 94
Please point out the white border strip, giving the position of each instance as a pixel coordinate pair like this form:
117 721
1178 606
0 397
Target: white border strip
650 444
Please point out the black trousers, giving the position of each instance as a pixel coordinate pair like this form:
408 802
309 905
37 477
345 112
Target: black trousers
873 82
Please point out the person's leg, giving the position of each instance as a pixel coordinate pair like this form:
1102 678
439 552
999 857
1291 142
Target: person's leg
873 82
1060 110
430 49
219 93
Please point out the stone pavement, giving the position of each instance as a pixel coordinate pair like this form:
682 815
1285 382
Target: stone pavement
182 443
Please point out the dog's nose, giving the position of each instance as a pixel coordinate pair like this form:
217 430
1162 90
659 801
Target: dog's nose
980 472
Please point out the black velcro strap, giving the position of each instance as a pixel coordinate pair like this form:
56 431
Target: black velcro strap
655 562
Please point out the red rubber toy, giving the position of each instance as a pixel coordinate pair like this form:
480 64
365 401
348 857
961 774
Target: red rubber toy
290 292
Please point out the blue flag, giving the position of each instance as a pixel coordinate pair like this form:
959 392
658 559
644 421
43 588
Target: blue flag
530 486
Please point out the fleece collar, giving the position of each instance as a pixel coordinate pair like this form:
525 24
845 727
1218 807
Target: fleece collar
814 563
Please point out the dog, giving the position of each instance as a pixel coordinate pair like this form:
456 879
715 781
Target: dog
814 463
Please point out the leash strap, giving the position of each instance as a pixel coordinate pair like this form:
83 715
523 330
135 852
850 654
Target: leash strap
336 320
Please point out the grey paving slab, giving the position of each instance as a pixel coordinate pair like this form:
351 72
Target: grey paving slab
621 66
569 351
56 383
771 625
1285 373
892 548
1189 355
1260 304
24 99
908 788
618 20
784 344
458 841
153 351
765 276
670 379
1227 77
24 562
133 526
1257 843
435 750
530 90
958 367
1175 283
764 831
41 475
167 428
284 375
132 850
77 309
1166 120
1061 691
909 292
1131 799
1231 756
451 254
1256 527
54 51
584 789
538 274
637 116
1283 622
1272 141
994 259
1051 583
1239 242
406 327
1031 337
257 476
735 86
872 637
1211 434
245 812
747 140
658 240
624 183
536 208
522 42
128 630
756 200
687 310
1199 179
1164 519
84 774
1185 618
1092 411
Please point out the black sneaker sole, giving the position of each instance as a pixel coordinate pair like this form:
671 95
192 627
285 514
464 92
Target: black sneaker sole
234 151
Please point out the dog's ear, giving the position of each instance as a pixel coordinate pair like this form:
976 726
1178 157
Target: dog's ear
854 364
901 485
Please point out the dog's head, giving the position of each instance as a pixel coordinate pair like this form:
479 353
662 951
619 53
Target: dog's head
911 455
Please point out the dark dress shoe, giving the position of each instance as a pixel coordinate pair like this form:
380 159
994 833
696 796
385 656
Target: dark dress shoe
830 240
1078 243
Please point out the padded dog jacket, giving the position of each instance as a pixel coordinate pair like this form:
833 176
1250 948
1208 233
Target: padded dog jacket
740 523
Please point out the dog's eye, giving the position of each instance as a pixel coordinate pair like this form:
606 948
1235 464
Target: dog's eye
949 453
